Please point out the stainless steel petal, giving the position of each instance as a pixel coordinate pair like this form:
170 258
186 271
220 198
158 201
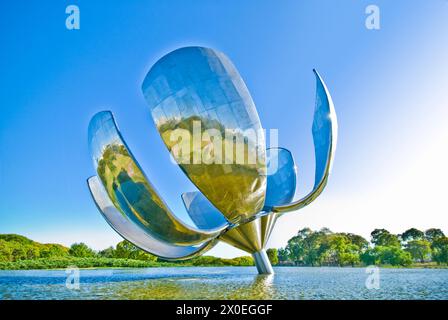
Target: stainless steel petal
198 91
137 235
267 224
325 130
202 212
281 183
246 236
281 186
129 189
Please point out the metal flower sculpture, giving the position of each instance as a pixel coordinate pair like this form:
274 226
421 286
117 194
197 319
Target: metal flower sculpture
196 91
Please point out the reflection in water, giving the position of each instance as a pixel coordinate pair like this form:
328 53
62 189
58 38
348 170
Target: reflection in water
226 283
251 287
260 288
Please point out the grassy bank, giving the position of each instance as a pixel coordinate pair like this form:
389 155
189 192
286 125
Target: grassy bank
424 265
97 262
20 253
61 263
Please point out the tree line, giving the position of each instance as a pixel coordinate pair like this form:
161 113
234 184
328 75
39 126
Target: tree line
307 248
326 248
19 252
15 247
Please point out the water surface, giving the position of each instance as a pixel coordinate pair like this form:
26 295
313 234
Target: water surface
226 283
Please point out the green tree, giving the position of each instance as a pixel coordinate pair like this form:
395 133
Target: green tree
296 247
338 249
359 241
107 253
324 248
283 255
15 247
81 250
412 234
386 255
127 250
18 252
325 231
32 252
432 234
369 257
16 238
314 247
347 251
392 255
243 261
53 250
420 250
208 261
272 255
5 251
382 237
440 250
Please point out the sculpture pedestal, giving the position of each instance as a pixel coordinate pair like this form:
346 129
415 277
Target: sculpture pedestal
262 262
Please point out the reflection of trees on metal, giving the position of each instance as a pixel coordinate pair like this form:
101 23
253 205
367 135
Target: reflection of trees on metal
198 91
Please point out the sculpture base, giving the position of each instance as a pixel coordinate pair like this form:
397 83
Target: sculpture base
262 262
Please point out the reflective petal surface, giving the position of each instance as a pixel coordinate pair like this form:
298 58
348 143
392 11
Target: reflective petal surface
325 129
198 91
130 191
281 184
131 232
202 212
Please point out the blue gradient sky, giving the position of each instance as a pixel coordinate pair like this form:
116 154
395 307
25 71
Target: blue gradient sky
389 88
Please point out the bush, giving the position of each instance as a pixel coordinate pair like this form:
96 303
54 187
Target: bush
420 250
127 250
81 250
219 262
440 250
62 263
245 261
392 255
272 255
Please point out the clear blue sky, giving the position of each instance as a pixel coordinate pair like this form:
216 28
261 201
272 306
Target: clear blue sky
388 86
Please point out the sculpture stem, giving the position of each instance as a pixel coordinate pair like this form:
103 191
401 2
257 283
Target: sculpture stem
262 262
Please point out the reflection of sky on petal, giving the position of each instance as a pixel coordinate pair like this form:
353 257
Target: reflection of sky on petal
281 183
200 84
143 238
130 191
201 211
101 133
